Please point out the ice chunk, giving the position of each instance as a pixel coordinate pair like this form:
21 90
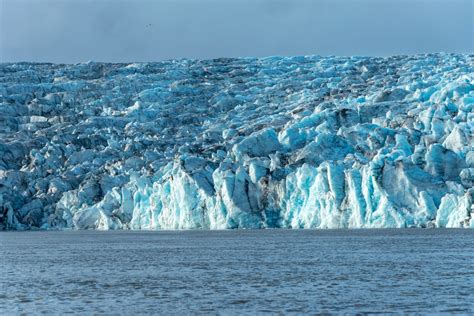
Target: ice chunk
260 144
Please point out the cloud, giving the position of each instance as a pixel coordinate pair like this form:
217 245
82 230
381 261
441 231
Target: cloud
140 30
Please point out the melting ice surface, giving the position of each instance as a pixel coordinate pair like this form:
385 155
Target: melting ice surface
299 142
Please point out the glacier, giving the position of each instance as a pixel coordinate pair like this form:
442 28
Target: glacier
275 142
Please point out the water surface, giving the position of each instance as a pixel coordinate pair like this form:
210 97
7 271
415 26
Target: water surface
240 271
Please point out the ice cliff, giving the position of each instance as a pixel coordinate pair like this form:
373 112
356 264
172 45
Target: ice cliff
299 142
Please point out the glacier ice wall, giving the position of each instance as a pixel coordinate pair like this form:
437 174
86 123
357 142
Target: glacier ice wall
300 142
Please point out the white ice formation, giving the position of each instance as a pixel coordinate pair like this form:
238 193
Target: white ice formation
298 142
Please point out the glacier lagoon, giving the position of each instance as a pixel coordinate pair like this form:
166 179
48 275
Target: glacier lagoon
235 272
288 142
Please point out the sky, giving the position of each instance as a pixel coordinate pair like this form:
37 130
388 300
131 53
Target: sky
70 31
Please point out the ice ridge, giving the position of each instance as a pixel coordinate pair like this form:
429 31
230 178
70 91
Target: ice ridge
297 142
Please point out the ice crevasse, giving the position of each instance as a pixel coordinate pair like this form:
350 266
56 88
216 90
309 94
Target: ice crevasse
296 142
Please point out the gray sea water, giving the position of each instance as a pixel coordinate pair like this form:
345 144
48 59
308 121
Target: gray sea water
235 272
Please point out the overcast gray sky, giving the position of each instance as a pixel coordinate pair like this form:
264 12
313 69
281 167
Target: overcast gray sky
142 30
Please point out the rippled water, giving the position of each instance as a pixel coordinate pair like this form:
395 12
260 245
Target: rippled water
238 271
